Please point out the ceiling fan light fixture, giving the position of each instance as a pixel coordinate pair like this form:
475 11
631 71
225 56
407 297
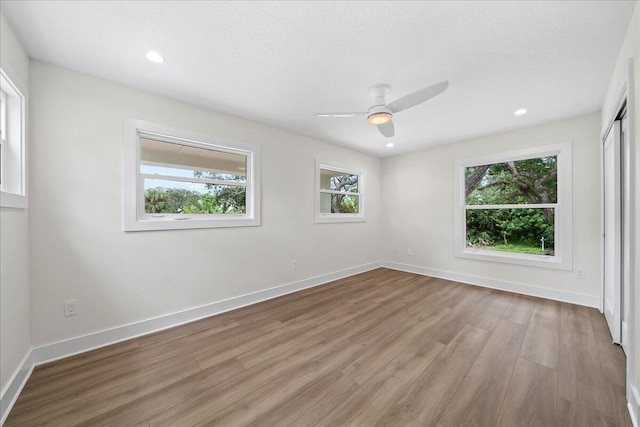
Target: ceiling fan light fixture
379 118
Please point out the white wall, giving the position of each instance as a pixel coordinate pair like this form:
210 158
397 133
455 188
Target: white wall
80 251
417 210
631 50
15 316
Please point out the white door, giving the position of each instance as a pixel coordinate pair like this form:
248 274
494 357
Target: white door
612 232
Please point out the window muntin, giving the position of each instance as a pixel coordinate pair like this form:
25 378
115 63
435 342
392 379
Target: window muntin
339 194
187 181
13 162
516 207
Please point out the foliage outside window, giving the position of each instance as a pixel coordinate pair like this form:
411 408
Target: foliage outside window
339 194
12 143
174 179
516 207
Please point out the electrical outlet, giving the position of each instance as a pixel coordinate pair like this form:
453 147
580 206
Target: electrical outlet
580 273
410 252
395 251
295 264
71 307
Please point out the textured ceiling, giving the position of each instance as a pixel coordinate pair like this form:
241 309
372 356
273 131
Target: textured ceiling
279 62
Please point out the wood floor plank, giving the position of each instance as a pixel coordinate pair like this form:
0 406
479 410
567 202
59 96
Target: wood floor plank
369 362
521 309
531 396
311 403
478 399
620 410
383 347
278 389
576 319
612 357
542 342
580 375
570 414
179 392
121 389
424 401
491 309
451 324
370 402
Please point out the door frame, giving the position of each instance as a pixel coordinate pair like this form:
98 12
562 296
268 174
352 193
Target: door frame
630 196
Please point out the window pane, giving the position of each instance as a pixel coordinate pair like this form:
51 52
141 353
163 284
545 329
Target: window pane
519 182
338 181
339 203
528 231
175 197
180 160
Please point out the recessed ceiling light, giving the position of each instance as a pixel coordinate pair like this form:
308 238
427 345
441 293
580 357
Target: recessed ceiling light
154 56
389 144
520 112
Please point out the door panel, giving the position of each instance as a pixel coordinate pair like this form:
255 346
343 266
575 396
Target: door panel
612 232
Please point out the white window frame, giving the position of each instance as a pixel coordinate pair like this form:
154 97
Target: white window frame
13 147
562 258
135 219
322 218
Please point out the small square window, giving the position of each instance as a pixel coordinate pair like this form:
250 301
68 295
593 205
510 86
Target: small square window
13 162
339 194
174 179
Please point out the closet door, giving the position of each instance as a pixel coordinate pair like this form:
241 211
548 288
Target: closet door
612 231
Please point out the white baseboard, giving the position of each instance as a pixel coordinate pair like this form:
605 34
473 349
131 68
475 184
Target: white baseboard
81 344
633 404
14 387
521 288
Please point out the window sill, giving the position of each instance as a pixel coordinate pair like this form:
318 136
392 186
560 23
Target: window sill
12 200
191 223
543 261
333 218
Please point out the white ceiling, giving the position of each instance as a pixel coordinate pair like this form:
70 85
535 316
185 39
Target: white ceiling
279 62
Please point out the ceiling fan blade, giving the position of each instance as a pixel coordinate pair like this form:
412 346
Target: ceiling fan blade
417 97
387 129
339 114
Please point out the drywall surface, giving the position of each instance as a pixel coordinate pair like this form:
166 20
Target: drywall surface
15 318
417 212
80 251
631 51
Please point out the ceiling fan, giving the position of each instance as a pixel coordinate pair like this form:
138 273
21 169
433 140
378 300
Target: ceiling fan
380 113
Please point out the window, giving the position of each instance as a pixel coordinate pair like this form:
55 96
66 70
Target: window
175 179
515 207
339 194
13 187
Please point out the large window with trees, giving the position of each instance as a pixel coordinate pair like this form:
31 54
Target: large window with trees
175 179
339 193
516 207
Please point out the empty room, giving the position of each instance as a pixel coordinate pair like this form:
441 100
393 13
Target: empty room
331 213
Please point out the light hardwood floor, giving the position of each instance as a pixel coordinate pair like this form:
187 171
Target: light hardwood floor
383 348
